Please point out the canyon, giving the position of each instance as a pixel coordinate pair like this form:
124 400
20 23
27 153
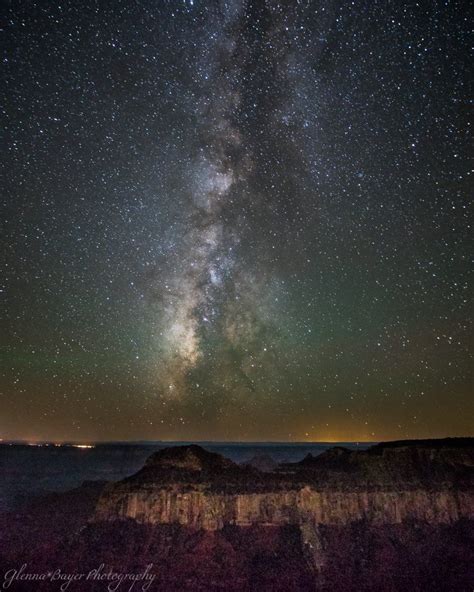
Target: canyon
392 517
199 489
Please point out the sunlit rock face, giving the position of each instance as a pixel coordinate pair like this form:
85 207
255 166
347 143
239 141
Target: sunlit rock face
387 484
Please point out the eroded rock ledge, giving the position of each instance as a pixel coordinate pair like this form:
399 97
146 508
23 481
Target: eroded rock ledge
429 481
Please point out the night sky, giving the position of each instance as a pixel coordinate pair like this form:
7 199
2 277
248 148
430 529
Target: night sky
236 220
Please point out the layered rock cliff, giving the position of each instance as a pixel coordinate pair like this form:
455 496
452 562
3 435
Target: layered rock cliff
387 484
391 519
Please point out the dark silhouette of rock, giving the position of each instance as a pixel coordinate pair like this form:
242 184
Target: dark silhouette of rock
261 462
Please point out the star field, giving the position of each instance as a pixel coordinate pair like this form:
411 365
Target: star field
236 220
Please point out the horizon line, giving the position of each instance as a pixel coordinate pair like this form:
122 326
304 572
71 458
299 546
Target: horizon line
10 441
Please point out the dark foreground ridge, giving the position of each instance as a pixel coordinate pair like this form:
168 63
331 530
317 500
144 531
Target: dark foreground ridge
398 516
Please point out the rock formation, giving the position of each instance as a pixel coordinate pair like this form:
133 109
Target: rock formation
387 484
396 517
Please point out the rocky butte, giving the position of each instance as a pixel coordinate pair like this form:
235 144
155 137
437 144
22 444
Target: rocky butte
392 483
395 517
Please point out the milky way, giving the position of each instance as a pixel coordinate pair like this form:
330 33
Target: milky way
236 220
